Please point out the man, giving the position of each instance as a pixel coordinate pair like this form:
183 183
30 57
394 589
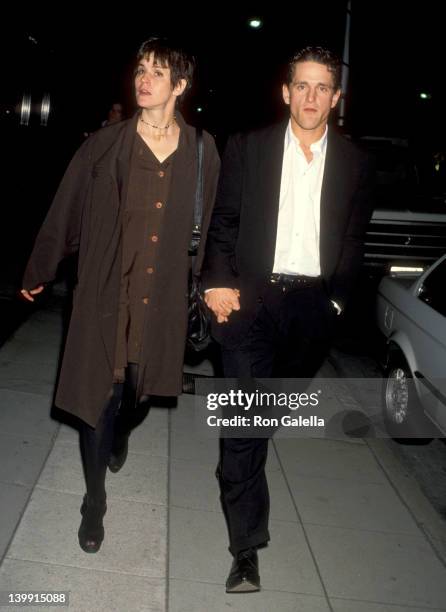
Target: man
283 250
114 115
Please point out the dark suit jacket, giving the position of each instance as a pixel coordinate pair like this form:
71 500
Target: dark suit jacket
242 236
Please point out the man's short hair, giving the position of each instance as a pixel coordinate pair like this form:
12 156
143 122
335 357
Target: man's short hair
170 55
321 56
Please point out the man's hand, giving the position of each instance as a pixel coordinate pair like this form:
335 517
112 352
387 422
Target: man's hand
28 295
222 302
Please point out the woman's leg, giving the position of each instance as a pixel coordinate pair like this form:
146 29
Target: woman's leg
95 449
131 414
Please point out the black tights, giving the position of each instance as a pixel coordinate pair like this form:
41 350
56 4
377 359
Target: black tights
117 420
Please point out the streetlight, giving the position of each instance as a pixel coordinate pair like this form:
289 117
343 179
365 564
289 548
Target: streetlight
255 23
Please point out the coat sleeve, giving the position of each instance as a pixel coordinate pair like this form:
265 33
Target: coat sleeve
218 266
351 259
210 180
60 232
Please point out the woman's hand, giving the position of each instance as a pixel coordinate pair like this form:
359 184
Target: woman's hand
28 295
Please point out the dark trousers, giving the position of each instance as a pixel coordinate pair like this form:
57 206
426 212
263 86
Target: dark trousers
289 338
121 414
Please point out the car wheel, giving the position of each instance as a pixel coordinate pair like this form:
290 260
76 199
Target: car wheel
402 412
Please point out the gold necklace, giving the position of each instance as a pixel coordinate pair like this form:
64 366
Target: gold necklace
157 127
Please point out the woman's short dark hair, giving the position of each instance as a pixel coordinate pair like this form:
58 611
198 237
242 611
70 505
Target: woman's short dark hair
321 56
171 55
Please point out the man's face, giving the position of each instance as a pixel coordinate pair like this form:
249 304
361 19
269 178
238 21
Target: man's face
153 86
311 95
115 113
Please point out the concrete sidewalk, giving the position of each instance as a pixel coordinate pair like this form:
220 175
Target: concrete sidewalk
350 531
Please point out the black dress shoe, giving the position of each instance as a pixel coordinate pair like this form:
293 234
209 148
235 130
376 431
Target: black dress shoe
91 530
117 457
244 575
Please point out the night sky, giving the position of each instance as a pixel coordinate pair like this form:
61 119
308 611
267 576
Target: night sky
86 61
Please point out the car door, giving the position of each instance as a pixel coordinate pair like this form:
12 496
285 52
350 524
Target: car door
430 343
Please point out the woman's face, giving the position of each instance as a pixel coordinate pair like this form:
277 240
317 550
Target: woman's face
153 86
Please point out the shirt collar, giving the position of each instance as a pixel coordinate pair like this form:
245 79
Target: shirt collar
316 147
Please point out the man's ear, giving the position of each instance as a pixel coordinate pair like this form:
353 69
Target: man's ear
335 98
286 93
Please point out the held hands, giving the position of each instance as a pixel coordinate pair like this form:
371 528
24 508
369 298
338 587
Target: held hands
28 295
222 302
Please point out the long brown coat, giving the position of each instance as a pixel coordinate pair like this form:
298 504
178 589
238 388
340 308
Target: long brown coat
86 216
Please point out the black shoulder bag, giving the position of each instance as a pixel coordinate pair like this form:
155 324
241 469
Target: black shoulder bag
198 332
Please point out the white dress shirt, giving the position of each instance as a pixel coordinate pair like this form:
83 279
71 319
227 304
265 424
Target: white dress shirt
298 226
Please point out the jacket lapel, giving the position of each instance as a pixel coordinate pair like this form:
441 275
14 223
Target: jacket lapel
270 176
185 157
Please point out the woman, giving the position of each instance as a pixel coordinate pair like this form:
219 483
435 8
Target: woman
126 205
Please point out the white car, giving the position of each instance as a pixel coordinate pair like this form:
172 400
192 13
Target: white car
412 316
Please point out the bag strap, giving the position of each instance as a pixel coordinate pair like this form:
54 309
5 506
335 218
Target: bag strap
198 207
198 211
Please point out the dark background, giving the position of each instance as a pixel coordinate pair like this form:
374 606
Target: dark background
85 61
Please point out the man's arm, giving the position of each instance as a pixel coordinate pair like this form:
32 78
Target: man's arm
352 254
218 273
218 266
60 231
